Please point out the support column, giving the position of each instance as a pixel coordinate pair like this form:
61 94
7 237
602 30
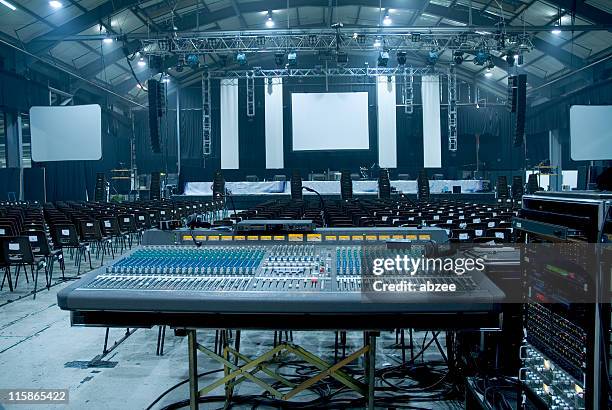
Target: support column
194 394
554 145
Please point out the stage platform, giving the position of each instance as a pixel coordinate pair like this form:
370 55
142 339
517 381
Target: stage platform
250 194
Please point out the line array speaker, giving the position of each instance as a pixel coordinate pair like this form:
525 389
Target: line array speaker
100 190
384 184
296 185
511 99
156 110
218 187
155 187
346 185
521 109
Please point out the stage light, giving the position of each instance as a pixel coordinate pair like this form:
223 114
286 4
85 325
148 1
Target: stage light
193 61
7 4
401 58
55 4
361 39
166 78
261 41
241 58
342 58
490 64
557 29
415 37
142 62
481 57
387 19
107 40
312 40
383 58
489 73
269 20
179 68
458 57
510 58
432 57
520 60
292 58
377 42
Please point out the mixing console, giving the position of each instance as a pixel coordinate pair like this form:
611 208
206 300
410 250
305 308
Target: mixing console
268 277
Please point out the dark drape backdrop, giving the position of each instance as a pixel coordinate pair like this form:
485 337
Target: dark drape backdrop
75 180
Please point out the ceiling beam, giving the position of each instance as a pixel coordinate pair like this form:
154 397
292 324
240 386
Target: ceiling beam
95 16
584 10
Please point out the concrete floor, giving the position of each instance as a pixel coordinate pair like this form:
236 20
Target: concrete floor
39 349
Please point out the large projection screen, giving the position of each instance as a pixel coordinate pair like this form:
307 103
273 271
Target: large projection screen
66 133
330 121
590 132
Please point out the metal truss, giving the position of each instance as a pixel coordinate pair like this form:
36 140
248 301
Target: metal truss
452 109
329 40
250 94
407 91
320 72
206 115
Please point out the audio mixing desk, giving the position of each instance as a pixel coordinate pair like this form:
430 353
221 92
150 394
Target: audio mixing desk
298 281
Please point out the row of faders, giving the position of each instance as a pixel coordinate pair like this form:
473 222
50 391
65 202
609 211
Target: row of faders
292 267
218 260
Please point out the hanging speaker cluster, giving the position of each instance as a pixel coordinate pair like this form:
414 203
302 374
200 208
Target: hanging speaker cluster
156 110
346 185
296 185
519 107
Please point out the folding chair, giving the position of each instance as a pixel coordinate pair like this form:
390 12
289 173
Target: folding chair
16 251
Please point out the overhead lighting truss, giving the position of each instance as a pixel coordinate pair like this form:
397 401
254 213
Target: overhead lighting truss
275 41
321 72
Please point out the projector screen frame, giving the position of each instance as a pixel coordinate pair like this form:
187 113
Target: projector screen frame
346 151
46 149
575 145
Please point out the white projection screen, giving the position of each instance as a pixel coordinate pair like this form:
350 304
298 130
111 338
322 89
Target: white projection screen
330 121
66 133
590 132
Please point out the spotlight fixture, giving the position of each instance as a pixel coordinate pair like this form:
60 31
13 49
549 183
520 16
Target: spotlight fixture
432 57
7 4
193 61
269 20
241 58
377 42
279 59
481 57
142 62
387 19
312 40
415 37
462 38
56 4
166 78
261 41
401 58
292 58
383 58
458 57
361 38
